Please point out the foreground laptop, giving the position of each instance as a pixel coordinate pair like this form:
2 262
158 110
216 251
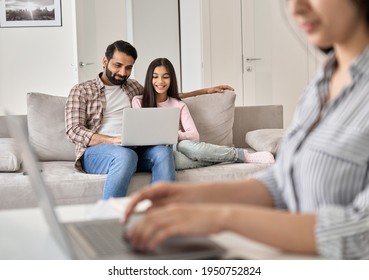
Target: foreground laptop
150 126
101 239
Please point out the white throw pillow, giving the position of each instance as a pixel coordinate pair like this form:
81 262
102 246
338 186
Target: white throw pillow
265 139
46 127
9 155
213 115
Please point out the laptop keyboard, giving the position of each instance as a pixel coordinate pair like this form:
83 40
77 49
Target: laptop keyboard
106 237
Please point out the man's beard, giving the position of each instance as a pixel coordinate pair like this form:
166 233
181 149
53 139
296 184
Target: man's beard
113 80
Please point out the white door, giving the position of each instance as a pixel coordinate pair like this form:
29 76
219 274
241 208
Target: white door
250 45
98 24
222 44
276 58
86 40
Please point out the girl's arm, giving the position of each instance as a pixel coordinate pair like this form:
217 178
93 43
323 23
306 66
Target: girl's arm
188 126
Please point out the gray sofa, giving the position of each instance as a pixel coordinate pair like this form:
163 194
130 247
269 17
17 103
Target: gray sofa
216 117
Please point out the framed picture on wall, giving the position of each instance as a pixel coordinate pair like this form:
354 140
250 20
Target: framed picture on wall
30 13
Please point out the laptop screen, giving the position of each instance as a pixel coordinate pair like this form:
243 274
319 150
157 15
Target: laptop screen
150 126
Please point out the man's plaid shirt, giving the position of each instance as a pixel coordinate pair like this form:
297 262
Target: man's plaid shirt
84 111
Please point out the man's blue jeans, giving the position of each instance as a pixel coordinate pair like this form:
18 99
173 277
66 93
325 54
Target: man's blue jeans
120 163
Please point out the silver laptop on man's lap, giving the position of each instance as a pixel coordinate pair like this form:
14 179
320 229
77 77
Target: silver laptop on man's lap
150 126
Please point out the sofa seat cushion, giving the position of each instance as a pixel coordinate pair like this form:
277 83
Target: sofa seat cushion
67 185
76 187
220 172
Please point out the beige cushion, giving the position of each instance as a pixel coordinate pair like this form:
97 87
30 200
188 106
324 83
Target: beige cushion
265 139
46 127
9 155
213 115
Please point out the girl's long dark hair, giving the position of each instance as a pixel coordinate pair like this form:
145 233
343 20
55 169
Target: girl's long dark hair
149 94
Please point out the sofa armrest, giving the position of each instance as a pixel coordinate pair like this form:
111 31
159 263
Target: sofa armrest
248 118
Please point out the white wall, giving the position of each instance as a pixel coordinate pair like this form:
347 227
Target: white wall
290 67
223 51
36 59
40 58
155 34
95 31
191 45
110 24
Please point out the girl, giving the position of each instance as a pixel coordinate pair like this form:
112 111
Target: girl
161 90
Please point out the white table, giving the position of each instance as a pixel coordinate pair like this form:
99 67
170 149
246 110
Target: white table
25 235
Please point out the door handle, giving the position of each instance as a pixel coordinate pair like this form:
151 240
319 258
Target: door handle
251 59
82 64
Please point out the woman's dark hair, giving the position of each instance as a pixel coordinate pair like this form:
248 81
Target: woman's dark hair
363 7
123 47
149 94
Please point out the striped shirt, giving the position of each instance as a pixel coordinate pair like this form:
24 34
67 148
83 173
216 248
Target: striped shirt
323 162
84 111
